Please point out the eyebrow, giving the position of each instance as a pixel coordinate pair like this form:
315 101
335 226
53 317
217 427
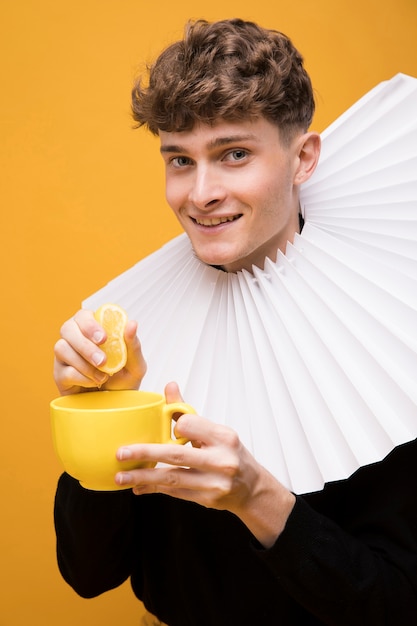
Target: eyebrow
215 143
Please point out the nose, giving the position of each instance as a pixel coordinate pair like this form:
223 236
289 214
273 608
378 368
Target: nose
206 190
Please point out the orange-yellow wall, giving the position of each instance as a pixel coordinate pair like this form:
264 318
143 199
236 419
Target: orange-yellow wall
81 199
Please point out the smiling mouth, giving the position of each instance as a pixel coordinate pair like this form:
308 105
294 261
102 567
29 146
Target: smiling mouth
215 221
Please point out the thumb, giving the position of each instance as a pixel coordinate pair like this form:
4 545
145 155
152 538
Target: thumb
172 393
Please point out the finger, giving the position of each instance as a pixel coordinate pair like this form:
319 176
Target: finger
172 393
130 331
197 428
66 356
85 345
156 479
169 453
203 457
187 484
89 326
70 369
71 380
135 364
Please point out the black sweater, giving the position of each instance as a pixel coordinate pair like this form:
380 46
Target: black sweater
348 555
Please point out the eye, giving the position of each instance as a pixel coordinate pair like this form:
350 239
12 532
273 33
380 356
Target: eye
180 161
236 155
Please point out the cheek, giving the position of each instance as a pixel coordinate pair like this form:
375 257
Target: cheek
173 194
277 190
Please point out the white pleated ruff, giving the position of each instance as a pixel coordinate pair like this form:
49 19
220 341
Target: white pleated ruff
312 360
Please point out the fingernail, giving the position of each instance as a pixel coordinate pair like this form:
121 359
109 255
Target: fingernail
124 453
97 358
101 378
124 478
98 336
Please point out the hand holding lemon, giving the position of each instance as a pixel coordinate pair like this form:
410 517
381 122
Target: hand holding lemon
98 349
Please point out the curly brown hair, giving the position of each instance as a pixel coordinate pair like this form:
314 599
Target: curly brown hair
230 69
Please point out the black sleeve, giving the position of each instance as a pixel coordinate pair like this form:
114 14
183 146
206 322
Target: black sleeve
94 535
348 555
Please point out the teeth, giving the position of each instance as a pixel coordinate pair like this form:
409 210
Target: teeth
214 221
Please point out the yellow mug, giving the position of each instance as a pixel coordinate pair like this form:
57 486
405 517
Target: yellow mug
88 428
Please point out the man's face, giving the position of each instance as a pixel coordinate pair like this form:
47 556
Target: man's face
232 187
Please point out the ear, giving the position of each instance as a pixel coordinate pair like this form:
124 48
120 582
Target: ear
308 150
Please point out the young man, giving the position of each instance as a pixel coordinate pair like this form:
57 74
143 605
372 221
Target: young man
223 541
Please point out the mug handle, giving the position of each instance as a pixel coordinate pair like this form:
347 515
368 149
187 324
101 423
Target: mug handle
168 411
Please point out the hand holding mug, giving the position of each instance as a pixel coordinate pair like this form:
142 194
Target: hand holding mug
88 429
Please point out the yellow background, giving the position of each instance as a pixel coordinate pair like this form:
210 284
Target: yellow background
82 199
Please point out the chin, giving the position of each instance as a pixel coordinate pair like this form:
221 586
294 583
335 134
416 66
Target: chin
213 258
